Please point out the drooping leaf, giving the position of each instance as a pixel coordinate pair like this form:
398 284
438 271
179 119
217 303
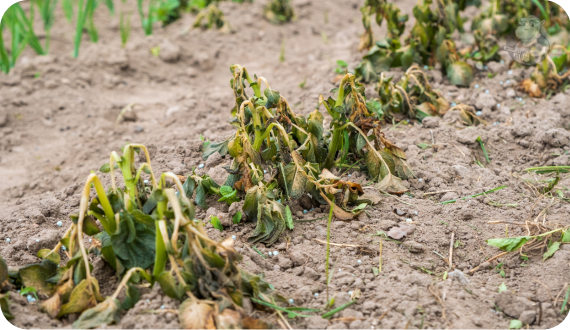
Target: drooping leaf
133 296
272 96
210 148
82 297
5 307
45 254
3 270
143 218
189 186
196 315
509 243
168 285
107 312
460 74
392 185
36 275
133 244
90 227
553 248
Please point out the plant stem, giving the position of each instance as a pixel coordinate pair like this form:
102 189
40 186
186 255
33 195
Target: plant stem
125 280
336 310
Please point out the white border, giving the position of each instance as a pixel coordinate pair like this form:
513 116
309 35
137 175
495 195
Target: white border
5 4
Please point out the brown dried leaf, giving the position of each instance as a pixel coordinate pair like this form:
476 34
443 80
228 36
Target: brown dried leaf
392 185
327 175
230 319
530 87
196 315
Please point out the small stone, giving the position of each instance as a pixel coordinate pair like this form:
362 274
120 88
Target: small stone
59 223
276 268
317 322
201 166
169 52
527 317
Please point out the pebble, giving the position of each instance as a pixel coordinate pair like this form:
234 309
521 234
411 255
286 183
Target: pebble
234 237
350 293
291 301
478 113
359 262
420 179
316 294
275 253
508 81
59 223
498 105
408 220
37 240
30 298
425 67
145 181
486 91
453 104
476 86
269 253
416 212
510 71
162 307
501 82
63 248
305 211
201 166
90 240
264 171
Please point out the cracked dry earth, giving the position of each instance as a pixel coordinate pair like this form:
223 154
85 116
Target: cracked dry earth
56 128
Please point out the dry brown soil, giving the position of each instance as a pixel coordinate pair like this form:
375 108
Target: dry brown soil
61 111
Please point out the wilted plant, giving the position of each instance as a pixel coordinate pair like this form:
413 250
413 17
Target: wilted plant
395 21
279 11
546 79
211 17
144 226
278 154
412 96
429 41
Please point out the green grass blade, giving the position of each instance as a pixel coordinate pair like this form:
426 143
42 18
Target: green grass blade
111 6
91 29
328 315
4 60
79 28
26 25
476 195
484 149
264 303
125 28
67 6
549 169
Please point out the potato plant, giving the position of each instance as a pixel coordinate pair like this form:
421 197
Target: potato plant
280 155
279 11
149 233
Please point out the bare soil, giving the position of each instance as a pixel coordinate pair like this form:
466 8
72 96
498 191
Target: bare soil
60 125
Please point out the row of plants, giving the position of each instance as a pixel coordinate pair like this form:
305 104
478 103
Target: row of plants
147 231
18 23
430 42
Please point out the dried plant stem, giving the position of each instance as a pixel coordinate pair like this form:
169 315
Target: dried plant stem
451 251
125 280
559 293
336 244
439 301
437 192
493 258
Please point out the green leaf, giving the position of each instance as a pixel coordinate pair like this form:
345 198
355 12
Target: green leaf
216 223
28 290
566 236
107 312
139 251
237 217
45 253
90 227
82 298
553 248
167 284
460 74
502 287
272 96
36 275
106 168
210 148
225 190
201 196
139 216
289 218
515 324
133 296
189 186
510 243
